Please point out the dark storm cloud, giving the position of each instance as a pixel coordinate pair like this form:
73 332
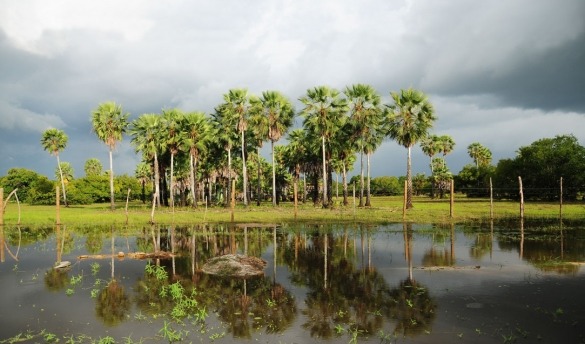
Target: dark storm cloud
493 69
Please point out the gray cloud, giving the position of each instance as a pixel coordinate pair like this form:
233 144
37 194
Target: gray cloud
502 73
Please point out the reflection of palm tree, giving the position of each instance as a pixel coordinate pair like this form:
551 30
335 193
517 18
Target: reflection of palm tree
56 279
112 303
414 308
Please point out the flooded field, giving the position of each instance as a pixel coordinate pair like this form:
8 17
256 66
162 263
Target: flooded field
396 283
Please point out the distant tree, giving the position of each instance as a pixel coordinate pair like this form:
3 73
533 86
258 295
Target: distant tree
93 167
54 141
541 165
386 186
143 174
65 171
173 139
145 138
480 154
109 124
27 183
408 120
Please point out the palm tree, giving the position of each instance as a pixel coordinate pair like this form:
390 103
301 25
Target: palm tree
143 174
54 141
295 154
408 121
109 124
480 154
446 144
372 140
173 140
92 167
279 113
343 148
237 104
225 127
365 115
198 133
145 138
324 115
430 146
259 124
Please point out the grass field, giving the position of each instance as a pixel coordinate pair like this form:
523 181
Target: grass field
383 210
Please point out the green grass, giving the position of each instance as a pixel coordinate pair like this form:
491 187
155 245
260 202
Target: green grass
383 210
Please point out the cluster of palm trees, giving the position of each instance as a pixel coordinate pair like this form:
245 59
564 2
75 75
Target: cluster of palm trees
337 125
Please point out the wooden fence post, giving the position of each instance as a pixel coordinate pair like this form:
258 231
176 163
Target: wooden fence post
521 198
404 200
58 205
1 206
491 200
561 201
233 198
452 199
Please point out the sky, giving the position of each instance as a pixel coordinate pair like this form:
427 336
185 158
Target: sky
501 73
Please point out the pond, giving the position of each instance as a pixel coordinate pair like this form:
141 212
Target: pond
336 283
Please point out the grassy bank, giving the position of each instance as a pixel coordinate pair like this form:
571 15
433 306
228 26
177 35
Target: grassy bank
383 210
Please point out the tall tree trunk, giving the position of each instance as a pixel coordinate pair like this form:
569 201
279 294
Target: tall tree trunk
172 186
229 184
408 179
259 186
112 205
273 174
156 180
192 181
304 187
361 204
244 172
62 181
432 180
344 181
368 198
325 200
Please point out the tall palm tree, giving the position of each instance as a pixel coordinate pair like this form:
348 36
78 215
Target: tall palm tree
372 140
446 144
343 147
54 141
237 104
145 131
198 133
430 147
324 114
295 154
109 124
408 120
173 140
280 114
365 115
259 124
226 134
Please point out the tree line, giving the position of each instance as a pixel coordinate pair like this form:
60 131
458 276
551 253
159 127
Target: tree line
193 157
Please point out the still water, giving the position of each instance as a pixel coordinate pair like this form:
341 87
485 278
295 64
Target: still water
396 283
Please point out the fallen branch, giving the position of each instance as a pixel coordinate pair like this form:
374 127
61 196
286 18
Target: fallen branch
130 255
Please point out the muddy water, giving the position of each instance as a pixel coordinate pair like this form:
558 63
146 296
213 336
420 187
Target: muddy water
328 283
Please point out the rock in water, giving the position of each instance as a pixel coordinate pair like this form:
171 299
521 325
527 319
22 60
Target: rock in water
234 265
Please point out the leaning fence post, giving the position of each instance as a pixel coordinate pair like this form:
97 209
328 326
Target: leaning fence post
491 200
1 206
57 204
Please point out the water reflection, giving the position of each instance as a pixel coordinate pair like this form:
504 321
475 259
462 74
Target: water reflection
321 280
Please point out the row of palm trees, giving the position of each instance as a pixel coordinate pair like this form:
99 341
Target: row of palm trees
336 126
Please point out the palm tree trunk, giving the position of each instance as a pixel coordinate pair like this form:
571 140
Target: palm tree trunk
244 172
273 174
62 181
432 180
344 181
368 198
192 181
361 204
112 205
408 179
229 184
325 203
171 191
156 180
259 186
